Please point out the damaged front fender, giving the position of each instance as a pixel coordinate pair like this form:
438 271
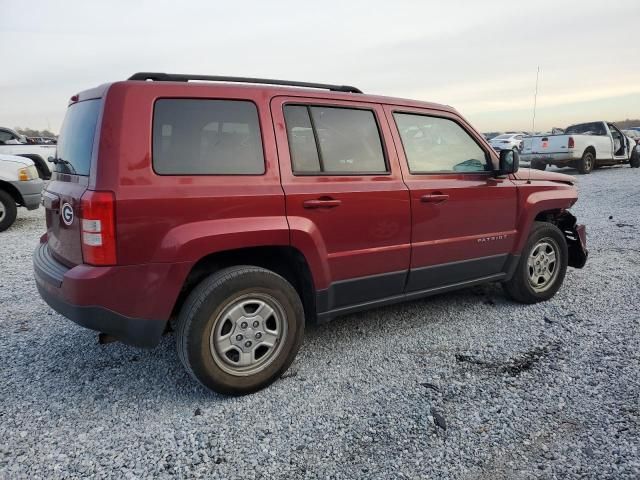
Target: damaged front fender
576 235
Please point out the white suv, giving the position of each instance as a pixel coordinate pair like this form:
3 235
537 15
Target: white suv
20 185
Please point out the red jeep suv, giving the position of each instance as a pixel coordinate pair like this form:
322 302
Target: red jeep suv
242 207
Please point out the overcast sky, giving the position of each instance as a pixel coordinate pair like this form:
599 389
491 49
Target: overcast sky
478 56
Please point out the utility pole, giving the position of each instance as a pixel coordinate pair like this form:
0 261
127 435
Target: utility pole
535 102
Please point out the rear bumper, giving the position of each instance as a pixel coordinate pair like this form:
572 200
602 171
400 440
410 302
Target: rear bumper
561 158
131 303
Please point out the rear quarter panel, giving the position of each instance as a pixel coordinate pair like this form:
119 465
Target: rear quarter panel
182 218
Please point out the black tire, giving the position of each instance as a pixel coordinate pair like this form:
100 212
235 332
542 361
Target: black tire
8 210
586 163
634 161
519 287
205 305
539 165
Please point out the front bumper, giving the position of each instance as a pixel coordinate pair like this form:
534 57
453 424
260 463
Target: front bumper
131 303
30 191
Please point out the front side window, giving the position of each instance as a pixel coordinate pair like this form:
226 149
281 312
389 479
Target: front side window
333 140
434 144
206 137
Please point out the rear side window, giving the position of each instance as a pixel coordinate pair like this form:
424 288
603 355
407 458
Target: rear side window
75 143
206 137
334 140
433 144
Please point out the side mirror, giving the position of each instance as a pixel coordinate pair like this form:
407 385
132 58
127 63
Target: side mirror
509 162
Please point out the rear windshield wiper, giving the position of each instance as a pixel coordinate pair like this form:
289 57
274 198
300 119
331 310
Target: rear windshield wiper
62 161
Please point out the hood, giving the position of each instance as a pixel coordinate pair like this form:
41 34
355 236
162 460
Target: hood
16 159
541 175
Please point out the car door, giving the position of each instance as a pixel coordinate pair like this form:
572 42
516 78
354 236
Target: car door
463 217
345 198
618 140
603 141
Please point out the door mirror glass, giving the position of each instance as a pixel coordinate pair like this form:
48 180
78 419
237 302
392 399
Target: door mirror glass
509 161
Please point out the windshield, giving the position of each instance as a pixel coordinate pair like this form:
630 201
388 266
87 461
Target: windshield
75 143
502 137
593 128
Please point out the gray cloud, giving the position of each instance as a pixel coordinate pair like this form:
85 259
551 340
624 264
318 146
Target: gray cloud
480 57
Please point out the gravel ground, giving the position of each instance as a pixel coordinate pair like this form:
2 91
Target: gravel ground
462 385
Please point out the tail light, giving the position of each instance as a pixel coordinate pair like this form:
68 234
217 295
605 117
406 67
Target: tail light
571 143
98 225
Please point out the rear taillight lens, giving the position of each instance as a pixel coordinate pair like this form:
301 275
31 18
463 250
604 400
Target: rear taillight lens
571 143
98 227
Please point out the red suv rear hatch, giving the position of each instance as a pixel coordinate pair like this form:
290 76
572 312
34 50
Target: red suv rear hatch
72 167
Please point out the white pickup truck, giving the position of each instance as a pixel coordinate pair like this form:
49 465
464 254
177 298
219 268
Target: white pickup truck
584 146
12 143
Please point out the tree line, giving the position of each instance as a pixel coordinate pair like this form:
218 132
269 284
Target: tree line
30 132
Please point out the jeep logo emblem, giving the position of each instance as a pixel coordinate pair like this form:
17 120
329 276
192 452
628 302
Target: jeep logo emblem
67 214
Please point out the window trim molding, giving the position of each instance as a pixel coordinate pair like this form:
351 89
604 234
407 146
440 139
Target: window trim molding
260 136
487 155
308 105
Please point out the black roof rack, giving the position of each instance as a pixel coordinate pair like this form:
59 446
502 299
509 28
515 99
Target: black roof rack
177 77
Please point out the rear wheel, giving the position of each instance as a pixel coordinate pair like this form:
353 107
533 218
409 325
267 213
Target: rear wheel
542 266
634 161
240 329
587 162
8 210
539 165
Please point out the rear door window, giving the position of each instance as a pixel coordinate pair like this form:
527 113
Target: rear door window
206 137
334 140
75 143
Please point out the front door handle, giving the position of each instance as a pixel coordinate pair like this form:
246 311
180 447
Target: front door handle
322 203
434 198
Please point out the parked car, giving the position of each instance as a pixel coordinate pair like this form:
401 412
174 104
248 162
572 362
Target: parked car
243 211
20 186
490 135
633 134
13 143
42 140
584 146
508 141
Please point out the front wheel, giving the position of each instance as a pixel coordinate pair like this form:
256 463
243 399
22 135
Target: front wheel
634 161
8 210
240 329
542 266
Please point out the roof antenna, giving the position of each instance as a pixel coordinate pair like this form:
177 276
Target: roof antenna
533 123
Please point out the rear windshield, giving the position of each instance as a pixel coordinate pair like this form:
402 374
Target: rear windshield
75 142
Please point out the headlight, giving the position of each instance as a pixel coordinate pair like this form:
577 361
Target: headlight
28 173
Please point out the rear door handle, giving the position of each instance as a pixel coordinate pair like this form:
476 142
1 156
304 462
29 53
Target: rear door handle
322 203
434 198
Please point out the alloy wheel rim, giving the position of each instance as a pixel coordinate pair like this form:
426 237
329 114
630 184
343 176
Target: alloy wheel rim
2 211
248 334
588 162
542 264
